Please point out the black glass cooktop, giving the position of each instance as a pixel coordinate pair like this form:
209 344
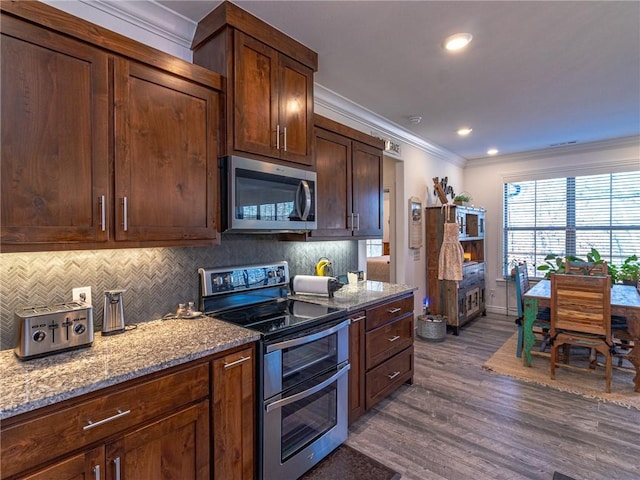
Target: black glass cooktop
280 317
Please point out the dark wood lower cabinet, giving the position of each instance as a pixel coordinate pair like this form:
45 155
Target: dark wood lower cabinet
234 416
194 422
381 352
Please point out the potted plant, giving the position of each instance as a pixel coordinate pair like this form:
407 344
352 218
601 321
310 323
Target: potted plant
629 270
462 199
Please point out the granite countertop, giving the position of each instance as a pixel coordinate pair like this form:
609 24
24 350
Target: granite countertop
150 347
356 297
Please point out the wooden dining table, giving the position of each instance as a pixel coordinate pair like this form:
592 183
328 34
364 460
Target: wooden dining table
625 301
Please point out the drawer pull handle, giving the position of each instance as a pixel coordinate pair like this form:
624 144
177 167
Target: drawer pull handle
91 424
393 375
96 472
393 339
237 362
357 319
394 310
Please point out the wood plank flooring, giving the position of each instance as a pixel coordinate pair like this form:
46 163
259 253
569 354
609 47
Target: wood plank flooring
458 421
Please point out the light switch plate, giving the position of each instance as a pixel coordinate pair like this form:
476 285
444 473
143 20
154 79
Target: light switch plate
80 292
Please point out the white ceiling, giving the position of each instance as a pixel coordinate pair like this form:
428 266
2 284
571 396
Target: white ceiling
537 74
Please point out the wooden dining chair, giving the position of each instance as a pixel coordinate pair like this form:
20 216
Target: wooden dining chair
581 316
542 323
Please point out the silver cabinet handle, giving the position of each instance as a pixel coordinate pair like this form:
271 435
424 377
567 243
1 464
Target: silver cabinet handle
394 310
393 375
357 319
237 362
125 222
298 396
358 221
308 339
278 137
96 472
91 424
116 464
103 217
285 139
393 339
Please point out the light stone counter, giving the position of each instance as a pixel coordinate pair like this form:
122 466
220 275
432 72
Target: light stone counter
361 295
152 346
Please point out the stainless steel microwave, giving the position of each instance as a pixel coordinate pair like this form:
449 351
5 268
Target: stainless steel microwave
264 197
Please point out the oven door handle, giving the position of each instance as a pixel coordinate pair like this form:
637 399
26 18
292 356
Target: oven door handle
316 388
307 339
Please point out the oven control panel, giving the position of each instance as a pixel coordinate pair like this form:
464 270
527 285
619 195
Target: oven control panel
237 279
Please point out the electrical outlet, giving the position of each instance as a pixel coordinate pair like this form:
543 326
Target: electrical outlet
82 294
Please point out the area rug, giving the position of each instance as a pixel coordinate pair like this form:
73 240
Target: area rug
587 384
348 463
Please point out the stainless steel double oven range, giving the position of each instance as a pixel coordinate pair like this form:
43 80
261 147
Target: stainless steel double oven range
301 369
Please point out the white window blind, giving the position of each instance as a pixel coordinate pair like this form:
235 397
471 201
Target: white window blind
569 216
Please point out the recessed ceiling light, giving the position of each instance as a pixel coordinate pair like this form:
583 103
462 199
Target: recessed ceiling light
457 41
415 119
492 151
463 132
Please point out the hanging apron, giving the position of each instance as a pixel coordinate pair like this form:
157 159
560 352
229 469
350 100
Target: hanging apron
451 252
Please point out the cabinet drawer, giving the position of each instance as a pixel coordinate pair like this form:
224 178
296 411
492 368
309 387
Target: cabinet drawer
27 444
382 314
384 342
388 376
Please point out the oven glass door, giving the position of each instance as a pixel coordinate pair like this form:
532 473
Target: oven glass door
294 361
302 426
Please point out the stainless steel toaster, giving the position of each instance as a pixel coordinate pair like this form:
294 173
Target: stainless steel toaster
44 330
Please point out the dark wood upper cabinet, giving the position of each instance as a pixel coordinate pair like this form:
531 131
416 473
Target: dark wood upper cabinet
55 137
349 168
165 155
106 143
269 102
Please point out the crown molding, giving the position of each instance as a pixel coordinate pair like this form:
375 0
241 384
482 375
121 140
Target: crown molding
564 150
152 17
343 106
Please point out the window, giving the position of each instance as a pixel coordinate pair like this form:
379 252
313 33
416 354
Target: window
374 248
569 216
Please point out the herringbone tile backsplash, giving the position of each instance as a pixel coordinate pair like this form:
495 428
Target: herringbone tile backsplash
156 279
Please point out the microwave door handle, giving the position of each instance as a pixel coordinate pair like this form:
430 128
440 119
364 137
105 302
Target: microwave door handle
303 198
316 388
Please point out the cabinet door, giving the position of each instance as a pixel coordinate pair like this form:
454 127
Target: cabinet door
296 111
357 362
83 466
234 416
333 167
255 109
367 190
55 148
165 156
174 447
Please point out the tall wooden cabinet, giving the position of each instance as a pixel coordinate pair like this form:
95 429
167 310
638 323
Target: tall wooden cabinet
269 101
349 169
105 142
460 301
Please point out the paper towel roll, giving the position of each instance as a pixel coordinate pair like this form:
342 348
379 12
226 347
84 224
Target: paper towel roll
310 284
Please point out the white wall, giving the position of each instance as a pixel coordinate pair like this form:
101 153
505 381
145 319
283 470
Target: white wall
484 179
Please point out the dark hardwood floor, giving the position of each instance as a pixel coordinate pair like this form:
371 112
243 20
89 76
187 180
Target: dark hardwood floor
458 421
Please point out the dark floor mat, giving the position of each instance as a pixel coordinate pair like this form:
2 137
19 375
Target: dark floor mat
561 476
348 463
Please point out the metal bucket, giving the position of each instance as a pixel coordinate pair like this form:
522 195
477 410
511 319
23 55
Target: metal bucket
432 328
